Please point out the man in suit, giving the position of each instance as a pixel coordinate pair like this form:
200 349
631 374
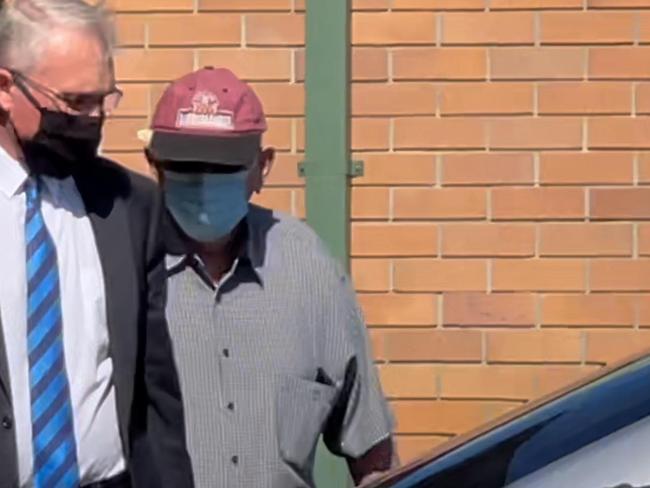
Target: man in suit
89 394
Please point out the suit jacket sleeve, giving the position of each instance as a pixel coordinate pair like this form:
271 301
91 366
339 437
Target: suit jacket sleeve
165 419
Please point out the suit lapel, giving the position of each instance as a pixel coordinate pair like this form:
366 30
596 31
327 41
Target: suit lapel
4 368
109 219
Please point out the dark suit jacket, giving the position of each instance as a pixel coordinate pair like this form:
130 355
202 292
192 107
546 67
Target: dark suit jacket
125 210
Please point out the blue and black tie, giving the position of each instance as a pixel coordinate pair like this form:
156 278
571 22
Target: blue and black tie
53 439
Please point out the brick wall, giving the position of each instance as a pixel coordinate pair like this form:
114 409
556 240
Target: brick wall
500 244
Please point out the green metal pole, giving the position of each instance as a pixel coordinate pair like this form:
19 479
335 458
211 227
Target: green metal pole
327 159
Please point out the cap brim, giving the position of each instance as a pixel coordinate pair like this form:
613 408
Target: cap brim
230 151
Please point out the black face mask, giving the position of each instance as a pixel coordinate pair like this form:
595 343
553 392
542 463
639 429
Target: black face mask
63 141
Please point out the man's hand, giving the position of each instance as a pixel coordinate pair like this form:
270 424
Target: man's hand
375 463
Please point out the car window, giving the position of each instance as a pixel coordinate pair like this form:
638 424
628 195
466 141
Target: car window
542 437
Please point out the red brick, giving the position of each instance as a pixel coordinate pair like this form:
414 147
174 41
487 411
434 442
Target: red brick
617 3
130 30
251 5
587 28
121 134
135 101
486 98
586 240
368 64
394 240
437 133
535 4
643 98
372 275
279 134
397 169
620 275
586 168
394 99
275 29
553 378
440 64
370 203
280 199
619 132
538 203
473 240
530 63
151 5
438 4
538 275
644 310
602 310
250 64
620 203
483 310
489 382
409 380
447 203
487 169
388 28
153 65
607 347
535 133
644 168
400 310
206 30
453 417
433 345
644 26
535 346
488 28
644 240
429 275
285 170
619 62
370 133
585 98
411 448
280 99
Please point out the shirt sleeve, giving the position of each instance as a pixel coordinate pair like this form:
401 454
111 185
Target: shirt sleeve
361 417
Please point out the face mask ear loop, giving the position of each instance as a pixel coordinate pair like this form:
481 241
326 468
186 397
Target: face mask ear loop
28 95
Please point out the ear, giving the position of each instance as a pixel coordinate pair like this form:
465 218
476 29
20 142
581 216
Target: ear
154 167
267 158
6 84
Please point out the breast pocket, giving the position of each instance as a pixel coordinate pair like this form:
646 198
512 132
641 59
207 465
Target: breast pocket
302 409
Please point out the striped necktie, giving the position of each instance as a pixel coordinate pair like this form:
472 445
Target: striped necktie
53 440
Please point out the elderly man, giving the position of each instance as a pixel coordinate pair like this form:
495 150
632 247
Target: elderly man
271 347
89 394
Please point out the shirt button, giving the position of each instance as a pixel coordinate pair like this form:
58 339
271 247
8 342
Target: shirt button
235 460
7 423
231 406
226 353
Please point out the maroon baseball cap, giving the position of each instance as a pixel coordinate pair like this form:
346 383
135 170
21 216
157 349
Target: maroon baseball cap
208 116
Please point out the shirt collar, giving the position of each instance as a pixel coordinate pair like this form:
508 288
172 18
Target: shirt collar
251 254
12 174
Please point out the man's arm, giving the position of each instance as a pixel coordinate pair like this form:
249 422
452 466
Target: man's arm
165 419
360 425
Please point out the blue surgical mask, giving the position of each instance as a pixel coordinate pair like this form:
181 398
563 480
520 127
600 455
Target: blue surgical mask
207 206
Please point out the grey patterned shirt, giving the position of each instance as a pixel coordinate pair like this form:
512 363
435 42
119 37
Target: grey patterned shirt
270 358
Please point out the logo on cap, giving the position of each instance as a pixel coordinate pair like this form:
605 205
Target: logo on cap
205 113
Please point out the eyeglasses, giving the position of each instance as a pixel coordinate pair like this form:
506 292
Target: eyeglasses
83 103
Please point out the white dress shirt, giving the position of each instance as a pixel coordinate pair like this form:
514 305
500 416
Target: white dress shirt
85 332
